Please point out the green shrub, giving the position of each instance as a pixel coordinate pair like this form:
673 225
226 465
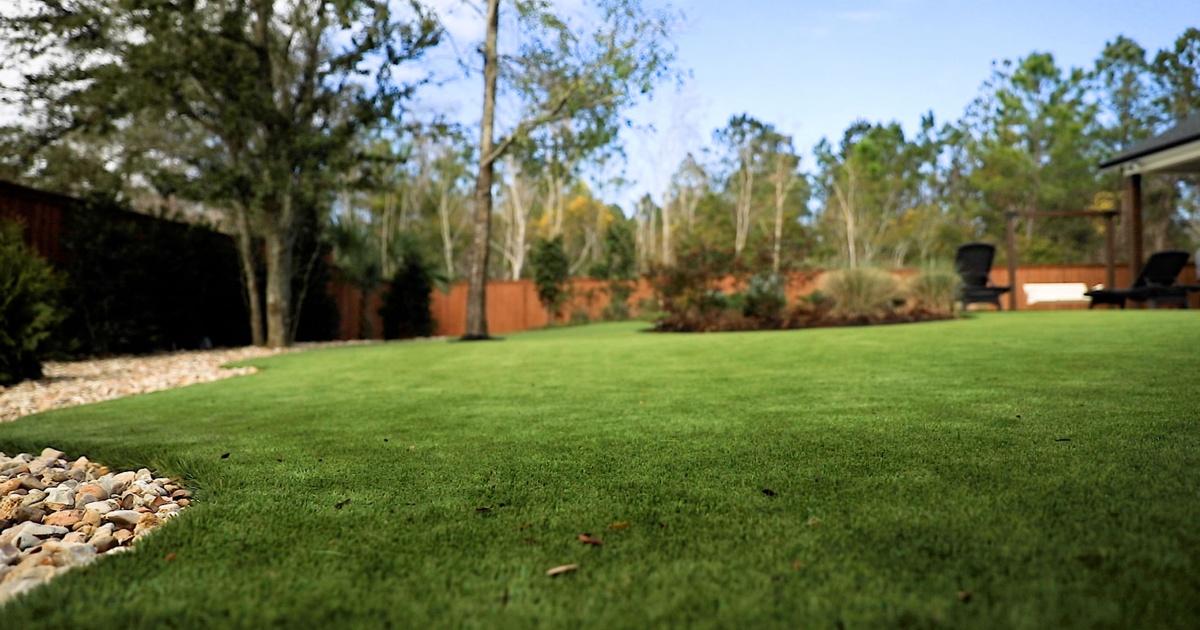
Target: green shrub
617 308
551 270
764 297
690 291
405 309
935 288
29 308
861 293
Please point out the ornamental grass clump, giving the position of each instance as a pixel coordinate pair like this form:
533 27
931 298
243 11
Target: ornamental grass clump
862 293
934 289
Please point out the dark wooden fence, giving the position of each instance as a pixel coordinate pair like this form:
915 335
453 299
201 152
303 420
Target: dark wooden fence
44 215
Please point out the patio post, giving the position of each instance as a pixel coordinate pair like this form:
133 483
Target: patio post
1011 242
1133 222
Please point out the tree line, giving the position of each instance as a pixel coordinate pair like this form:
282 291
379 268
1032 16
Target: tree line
273 115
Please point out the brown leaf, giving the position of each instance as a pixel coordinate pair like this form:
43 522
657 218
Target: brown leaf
170 557
620 525
588 540
566 568
524 526
797 565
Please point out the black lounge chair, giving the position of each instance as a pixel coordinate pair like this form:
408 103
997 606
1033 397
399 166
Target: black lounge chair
1155 284
973 261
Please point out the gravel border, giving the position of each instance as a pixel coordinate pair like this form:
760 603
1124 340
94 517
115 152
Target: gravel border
67 384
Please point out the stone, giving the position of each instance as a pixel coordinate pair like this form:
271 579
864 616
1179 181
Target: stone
41 531
69 553
31 513
39 464
93 517
11 588
106 529
33 498
146 523
103 507
8 553
60 497
123 518
10 485
9 505
14 469
30 482
103 543
89 493
25 540
126 477
85 511
64 518
33 571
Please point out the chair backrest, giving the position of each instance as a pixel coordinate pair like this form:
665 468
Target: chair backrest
1162 268
973 261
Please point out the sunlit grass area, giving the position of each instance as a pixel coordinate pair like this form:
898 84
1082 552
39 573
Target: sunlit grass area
1023 470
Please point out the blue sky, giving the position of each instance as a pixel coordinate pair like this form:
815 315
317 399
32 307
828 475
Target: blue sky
812 68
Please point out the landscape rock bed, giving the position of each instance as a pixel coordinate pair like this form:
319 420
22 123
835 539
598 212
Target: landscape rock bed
56 514
67 384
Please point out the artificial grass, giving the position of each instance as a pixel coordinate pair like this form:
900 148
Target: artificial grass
1014 470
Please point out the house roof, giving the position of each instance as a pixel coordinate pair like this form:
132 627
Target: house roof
1176 149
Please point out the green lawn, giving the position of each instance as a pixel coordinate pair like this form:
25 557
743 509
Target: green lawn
1044 467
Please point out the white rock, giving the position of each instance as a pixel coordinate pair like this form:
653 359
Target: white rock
12 588
68 554
103 507
60 497
123 519
50 453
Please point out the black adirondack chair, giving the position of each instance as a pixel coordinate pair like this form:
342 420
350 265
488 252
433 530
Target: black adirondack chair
973 261
1156 283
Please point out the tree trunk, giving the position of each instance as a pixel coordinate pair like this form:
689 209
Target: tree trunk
668 249
447 236
477 273
280 241
245 245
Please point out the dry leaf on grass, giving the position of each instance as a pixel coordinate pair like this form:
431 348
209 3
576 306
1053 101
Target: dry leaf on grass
566 568
588 540
620 525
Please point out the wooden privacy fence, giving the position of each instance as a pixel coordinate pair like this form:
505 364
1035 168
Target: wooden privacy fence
513 306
